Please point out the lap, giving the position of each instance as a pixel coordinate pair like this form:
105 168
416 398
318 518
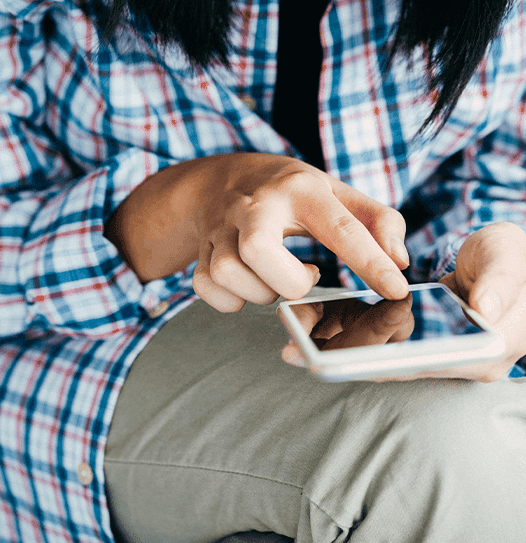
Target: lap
214 434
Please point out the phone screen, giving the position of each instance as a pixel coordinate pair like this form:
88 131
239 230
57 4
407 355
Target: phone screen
372 320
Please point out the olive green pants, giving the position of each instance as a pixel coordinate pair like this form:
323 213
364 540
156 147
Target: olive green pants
214 434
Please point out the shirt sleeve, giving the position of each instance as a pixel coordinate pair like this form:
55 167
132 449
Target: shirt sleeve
481 185
57 270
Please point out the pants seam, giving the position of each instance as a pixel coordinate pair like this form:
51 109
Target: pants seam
341 525
189 466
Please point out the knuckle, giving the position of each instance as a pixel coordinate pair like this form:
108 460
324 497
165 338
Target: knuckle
395 218
298 182
223 268
210 293
252 247
200 283
391 220
294 179
344 227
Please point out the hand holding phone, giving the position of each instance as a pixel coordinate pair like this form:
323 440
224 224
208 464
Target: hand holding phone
359 335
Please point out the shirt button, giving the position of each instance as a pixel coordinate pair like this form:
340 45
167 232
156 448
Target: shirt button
249 101
158 310
85 474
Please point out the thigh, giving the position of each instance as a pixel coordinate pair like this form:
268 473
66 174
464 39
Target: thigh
213 434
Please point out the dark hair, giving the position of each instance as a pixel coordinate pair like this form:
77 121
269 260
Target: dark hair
200 27
453 34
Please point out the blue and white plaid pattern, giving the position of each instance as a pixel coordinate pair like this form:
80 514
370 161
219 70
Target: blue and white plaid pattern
82 125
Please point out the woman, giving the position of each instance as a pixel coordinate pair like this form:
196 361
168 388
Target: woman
142 149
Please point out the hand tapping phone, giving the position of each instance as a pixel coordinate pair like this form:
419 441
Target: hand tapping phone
360 335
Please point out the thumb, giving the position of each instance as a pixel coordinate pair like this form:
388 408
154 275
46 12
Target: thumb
499 271
488 301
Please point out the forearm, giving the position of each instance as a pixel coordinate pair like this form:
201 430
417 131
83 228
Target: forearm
153 228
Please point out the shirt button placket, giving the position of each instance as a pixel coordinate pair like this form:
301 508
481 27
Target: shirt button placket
158 310
85 473
249 101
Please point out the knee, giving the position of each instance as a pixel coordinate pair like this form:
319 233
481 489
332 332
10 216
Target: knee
458 462
463 412
468 429
433 460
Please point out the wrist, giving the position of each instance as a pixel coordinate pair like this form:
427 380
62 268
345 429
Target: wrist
153 229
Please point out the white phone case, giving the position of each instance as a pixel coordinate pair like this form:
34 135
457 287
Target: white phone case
392 359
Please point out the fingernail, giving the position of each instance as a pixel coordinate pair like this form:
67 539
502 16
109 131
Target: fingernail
393 284
399 250
317 277
489 305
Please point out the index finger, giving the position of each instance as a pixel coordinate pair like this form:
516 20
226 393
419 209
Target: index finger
331 223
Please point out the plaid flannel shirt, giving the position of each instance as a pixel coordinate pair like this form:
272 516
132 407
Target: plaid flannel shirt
81 125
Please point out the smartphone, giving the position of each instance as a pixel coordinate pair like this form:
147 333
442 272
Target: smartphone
360 335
